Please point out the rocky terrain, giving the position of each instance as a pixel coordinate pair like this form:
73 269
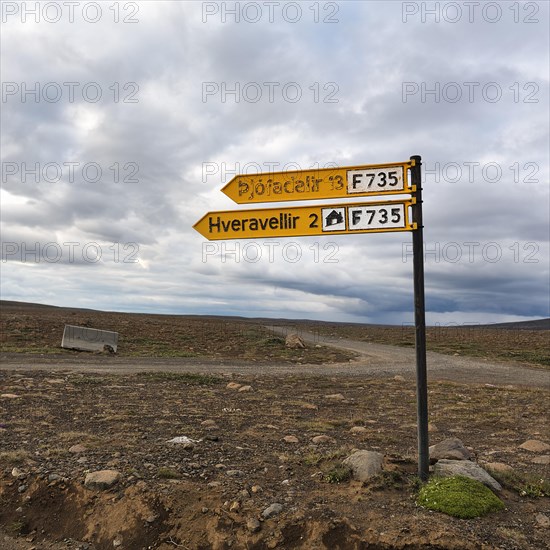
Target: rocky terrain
255 454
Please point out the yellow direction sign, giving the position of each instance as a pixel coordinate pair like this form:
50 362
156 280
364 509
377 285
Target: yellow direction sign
303 221
321 183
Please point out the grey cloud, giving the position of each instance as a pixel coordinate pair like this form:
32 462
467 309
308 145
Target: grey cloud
171 132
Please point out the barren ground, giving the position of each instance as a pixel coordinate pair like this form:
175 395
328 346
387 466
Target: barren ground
123 409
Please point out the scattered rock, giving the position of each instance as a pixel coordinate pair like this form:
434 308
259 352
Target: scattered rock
103 479
235 506
234 473
256 489
55 380
335 396
365 464
535 446
22 488
272 510
184 441
210 425
77 449
499 467
542 520
447 468
432 428
245 388
544 459
19 474
358 430
9 396
233 386
450 449
293 341
291 439
253 525
322 439
399 378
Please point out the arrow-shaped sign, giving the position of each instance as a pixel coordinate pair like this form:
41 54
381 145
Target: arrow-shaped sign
302 221
321 183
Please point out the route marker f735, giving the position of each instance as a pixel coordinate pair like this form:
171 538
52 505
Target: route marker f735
321 183
303 221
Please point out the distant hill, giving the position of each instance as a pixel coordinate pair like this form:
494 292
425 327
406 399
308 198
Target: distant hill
537 324
32 305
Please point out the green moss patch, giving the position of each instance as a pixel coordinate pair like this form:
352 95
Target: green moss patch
458 496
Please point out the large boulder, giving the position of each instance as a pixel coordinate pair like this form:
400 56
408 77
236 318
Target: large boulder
101 480
364 464
450 449
535 446
293 341
448 468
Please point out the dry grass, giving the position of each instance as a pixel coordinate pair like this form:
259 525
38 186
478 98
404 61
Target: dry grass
18 456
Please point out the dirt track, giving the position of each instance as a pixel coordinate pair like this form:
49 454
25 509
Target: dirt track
375 360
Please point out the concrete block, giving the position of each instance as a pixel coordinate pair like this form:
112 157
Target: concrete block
88 339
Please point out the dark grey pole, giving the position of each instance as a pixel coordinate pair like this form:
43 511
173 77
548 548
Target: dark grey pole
420 323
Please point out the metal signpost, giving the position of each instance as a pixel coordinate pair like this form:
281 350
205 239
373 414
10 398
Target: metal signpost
344 218
420 323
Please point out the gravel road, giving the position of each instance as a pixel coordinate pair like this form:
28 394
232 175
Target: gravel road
375 360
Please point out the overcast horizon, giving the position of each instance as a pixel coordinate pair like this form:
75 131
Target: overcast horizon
122 121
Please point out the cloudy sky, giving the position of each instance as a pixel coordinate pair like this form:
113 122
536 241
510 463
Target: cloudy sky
122 121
